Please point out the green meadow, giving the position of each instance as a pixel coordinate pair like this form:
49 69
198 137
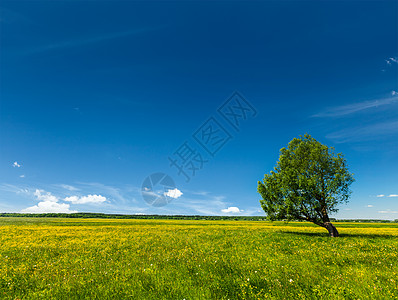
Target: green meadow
54 258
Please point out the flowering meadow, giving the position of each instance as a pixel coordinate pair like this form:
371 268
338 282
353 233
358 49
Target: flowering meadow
53 258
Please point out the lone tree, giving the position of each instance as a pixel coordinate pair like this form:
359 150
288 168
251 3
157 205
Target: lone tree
308 182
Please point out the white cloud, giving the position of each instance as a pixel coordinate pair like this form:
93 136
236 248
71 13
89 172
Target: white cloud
176 193
381 195
16 165
86 199
232 209
369 205
388 211
393 195
22 176
45 196
48 204
48 207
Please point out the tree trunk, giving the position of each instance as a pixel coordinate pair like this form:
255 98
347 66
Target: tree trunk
332 230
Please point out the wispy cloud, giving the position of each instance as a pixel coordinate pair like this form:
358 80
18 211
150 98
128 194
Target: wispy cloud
200 193
391 60
370 132
5 187
195 204
117 194
12 17
349 109
369 205
390 196
67 187
388 211
208 204
78 42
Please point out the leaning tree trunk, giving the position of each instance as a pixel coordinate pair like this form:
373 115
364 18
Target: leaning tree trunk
332 230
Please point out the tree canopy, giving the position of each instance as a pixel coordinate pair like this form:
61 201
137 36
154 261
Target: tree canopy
308 183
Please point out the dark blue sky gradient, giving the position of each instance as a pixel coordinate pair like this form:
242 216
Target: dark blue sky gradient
97 95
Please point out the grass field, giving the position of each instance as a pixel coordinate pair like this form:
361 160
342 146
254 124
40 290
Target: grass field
167 259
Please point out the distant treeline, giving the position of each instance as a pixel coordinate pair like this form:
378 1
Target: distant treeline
364 220
120 216
166 217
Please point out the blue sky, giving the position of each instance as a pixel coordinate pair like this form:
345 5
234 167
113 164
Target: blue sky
97 96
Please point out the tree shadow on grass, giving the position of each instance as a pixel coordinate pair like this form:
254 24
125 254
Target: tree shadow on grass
342 235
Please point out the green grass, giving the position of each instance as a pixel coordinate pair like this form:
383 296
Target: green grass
180 259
